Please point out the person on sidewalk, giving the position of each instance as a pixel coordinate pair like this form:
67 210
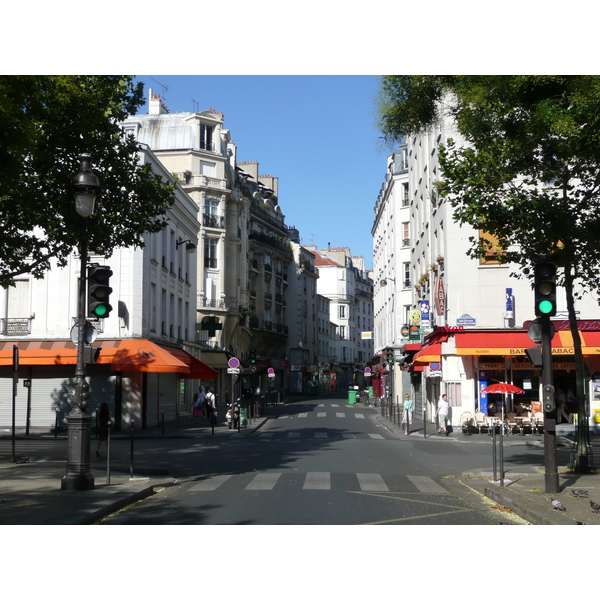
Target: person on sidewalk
407 413
442 414
103 424
198 402
209 403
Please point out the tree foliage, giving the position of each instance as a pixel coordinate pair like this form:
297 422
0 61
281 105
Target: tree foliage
46 123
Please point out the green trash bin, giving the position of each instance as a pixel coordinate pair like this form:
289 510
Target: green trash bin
351 396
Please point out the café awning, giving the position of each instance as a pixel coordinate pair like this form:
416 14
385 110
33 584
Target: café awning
132 354
428 354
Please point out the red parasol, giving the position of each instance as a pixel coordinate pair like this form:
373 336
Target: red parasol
502 388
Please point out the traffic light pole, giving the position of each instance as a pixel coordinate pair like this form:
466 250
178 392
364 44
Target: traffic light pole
551 470
79 476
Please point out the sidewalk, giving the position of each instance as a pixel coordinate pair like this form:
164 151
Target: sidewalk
524 486
30 492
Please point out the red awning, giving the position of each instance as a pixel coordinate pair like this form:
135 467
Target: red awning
197 369
428 354
122 355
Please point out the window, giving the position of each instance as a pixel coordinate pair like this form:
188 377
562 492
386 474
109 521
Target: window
208 169
453 392
342 311
206 137
405 234
210 253
406 274
405 198
492 248
153 307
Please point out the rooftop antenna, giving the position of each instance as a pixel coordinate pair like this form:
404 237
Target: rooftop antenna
165 89
195 105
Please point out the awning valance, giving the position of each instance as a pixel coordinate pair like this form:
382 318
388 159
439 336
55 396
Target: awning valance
197 368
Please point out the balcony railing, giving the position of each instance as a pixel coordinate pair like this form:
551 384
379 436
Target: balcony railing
213 221
15 326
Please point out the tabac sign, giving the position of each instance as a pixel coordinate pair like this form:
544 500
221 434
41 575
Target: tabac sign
439 297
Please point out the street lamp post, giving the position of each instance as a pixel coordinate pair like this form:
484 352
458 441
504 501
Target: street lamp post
85 188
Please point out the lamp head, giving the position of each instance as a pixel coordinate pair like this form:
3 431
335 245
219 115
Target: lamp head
85 187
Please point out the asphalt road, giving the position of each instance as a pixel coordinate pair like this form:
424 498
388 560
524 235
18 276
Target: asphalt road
320 462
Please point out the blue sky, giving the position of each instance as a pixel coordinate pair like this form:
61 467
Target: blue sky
317 134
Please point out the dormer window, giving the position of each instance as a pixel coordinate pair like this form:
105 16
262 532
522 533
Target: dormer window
206 137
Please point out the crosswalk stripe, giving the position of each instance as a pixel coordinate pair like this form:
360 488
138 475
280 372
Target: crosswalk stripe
321 434
317 481
426 484
372 482
348 436
340 414
335 405
293 434
302 415
376 436
321 414
210 484
359 416
267 434
264 481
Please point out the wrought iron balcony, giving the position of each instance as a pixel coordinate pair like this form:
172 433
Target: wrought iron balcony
15 326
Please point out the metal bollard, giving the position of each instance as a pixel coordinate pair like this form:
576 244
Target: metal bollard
162 423
131 459
56 423
108 453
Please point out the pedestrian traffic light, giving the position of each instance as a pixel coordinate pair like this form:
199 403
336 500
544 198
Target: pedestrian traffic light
548 398
390 355
84 394
545 289
252 355
99 292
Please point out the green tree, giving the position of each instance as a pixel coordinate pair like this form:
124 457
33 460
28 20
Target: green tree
526 170
46 123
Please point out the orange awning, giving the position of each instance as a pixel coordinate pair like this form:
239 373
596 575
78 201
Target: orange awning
428 354
122 355
197 369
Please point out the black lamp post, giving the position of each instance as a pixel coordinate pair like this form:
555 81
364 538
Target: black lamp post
85 188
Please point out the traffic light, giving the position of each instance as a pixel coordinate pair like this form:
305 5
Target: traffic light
252 355
545 289
548 398
84 394
390 355
99 292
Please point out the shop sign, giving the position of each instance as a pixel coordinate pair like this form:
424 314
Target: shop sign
466 321
439 297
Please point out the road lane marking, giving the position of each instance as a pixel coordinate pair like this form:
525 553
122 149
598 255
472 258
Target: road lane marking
372 482
340 414
264 481
320 434
293 434
317 481
210 484
302 415
376 436
335 405
426 485
321 414
359 416
266 434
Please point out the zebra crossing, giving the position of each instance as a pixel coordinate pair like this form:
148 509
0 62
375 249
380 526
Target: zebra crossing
364 482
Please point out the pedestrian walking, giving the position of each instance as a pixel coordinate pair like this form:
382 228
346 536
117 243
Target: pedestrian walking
103 424
197 404
442 414
209 403
407 413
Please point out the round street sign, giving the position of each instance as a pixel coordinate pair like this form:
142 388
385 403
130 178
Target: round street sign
233 363
534 331
271 371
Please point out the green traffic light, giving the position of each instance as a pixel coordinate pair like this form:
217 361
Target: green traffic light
100 310
545 307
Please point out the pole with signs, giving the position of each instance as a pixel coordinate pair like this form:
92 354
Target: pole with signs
14 396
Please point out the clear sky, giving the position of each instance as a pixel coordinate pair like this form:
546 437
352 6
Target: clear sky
317 134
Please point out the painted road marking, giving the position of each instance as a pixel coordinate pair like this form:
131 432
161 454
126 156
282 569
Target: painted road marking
426 485
317 481
359 416
264 481
372 482
210 484
376 436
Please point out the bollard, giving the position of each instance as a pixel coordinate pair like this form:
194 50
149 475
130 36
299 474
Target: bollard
56 423
501 454
162 420
131 459
108 453
494 451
